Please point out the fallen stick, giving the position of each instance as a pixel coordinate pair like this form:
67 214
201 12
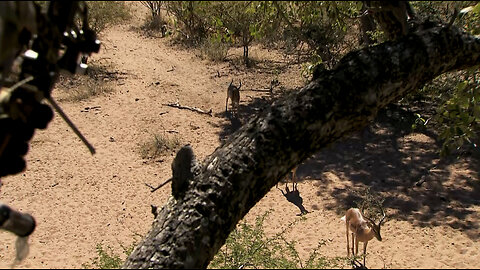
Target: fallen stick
153 189
194 109
260 90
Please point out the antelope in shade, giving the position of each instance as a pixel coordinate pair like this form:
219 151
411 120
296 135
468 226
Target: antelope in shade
294 175
294 181
233 93
363 229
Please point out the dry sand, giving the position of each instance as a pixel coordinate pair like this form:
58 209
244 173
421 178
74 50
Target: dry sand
80 200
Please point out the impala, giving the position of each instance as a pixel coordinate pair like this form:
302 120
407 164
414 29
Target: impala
363 229
233 93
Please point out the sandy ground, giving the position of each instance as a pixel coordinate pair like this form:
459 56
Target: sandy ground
80 200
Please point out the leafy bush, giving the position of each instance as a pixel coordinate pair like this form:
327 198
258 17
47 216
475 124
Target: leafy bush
155 7
101 14
451 110
459 116
248 247
106 259
454 97
322 25
190 19
155 21
214 49
153 24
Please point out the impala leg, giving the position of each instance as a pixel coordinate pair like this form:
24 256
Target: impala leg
356 246
364 252
348 248
353 244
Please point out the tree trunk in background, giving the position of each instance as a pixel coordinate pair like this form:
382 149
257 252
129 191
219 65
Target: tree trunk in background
245 55
189 231
367 24
391 16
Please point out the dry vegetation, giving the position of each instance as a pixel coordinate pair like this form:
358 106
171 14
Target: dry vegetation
102 204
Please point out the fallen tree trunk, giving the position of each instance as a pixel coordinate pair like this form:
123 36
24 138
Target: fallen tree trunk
189 230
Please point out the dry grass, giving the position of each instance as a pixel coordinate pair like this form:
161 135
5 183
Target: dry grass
86 90
83 87
214 50
158 146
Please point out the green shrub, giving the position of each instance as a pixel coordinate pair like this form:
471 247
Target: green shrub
101 14
106 259
153 24
248 247
190 19
214 49
452 111
154 21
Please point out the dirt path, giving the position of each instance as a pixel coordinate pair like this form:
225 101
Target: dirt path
80 200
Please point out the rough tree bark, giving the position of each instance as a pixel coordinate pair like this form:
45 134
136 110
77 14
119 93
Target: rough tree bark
190 230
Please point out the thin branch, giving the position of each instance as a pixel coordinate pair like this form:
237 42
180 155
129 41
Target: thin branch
194 109
153 189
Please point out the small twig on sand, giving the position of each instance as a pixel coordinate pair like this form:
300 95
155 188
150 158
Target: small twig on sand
194 109
261 90
153 189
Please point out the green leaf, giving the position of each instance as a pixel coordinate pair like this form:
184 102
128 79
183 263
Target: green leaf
461 85
476 112
476 9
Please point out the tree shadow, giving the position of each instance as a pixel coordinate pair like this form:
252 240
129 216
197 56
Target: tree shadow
244 114
404 167
258 66
396 162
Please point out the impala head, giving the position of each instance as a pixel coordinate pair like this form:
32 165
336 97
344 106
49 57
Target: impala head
375 228
232 86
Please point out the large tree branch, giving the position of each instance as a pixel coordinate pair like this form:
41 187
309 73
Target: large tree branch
189 230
